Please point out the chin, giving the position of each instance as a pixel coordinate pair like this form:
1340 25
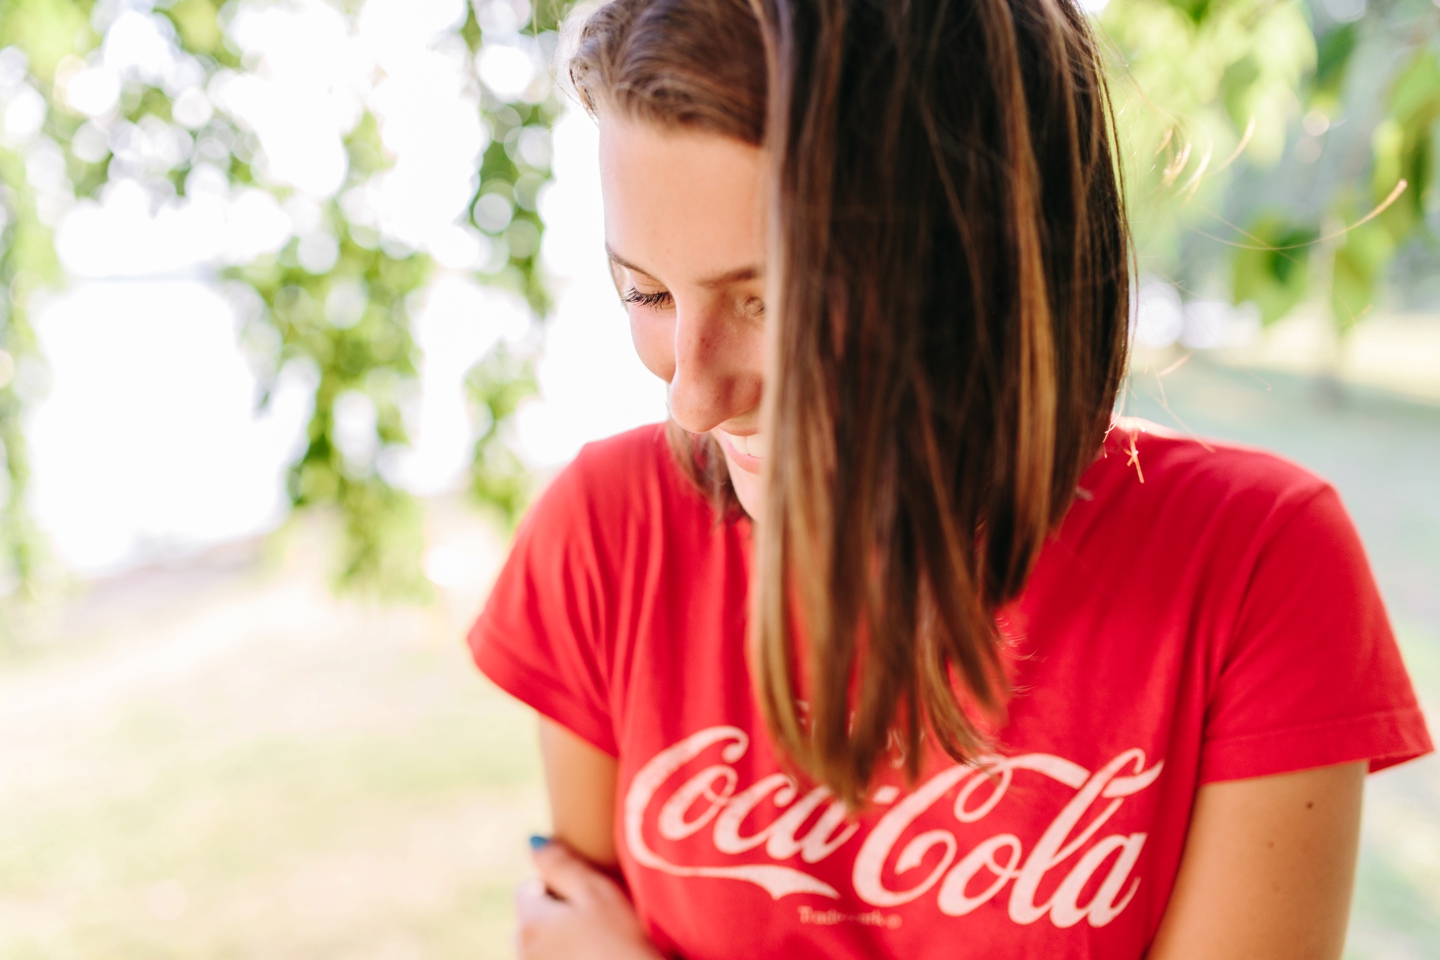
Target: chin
747 490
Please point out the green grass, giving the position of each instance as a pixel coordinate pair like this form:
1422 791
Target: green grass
341 783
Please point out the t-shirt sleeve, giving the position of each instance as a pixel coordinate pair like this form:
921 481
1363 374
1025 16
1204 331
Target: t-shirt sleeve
1312 675
542 636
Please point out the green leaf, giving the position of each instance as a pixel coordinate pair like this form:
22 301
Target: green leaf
1333 50
47 30
1196 10
197 24
496 386
1272 269
1361 259
1417 90
1404 144
1236 86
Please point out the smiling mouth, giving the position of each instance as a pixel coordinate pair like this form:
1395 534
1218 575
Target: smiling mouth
746 452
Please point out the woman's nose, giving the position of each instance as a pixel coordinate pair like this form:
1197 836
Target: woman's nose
717 367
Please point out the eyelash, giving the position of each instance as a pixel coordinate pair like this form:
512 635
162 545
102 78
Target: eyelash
646 299
753 305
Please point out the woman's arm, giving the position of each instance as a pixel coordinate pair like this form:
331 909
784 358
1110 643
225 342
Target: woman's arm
574 911
581 781
1268 869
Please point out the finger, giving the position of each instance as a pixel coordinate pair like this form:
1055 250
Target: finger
533 904
570 877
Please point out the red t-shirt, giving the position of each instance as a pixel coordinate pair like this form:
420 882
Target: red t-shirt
1215 620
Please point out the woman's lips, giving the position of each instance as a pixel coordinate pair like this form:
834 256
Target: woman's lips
738 449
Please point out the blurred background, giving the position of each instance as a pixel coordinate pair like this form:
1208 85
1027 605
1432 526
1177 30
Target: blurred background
302 300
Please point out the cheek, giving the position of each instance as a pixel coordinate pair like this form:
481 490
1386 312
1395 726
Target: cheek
655 343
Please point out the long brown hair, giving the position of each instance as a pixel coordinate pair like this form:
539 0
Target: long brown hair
948 270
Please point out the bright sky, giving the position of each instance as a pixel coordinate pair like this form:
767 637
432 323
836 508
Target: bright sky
147 441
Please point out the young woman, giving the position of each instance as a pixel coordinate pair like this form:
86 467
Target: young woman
892 642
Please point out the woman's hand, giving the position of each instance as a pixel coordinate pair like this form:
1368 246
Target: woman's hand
589 918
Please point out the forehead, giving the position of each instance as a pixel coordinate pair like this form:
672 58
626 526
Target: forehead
680 203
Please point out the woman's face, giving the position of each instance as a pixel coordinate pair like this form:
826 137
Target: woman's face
685 231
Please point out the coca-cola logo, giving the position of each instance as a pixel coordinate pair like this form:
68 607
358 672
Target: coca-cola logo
713 799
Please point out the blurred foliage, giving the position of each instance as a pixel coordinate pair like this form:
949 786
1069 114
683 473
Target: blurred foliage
1199 84
495 387
1224 109
1273 272
26 261
349 323
1288 147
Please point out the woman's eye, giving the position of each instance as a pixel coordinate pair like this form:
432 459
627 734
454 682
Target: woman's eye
753 307
658 299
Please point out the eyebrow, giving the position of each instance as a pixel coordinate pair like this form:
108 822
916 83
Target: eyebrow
737 275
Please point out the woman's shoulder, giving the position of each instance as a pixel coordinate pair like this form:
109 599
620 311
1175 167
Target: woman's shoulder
620 460
618 481
1155 470
1157 500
